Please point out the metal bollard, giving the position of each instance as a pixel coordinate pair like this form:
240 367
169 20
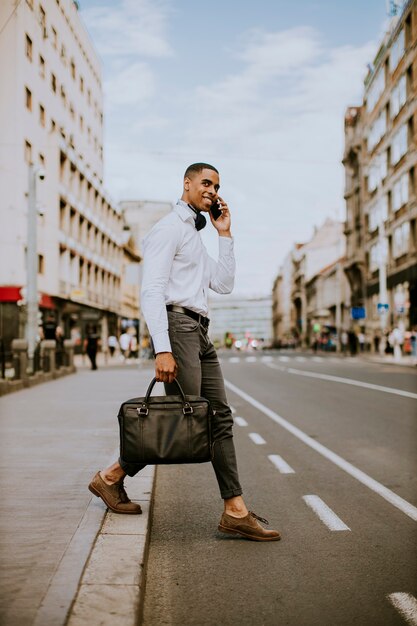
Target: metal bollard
48 354
69 353
20 359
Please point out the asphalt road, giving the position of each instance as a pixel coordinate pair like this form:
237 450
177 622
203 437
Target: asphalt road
326 451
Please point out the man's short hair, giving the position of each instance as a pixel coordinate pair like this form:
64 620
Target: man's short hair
197 168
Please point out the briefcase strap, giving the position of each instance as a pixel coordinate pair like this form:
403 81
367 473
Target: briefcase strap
143 410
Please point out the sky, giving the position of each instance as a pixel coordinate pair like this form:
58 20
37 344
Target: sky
258 89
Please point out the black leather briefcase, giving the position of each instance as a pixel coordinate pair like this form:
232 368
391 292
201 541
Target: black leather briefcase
165 429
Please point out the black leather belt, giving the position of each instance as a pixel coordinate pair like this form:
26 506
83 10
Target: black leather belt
204 321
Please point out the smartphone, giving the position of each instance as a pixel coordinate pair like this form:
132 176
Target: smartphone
215 210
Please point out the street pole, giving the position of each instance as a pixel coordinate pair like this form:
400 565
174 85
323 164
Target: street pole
32 268
383 292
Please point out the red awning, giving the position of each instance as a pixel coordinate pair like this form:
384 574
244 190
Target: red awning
12 293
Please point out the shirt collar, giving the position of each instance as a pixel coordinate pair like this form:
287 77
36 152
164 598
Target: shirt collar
184 211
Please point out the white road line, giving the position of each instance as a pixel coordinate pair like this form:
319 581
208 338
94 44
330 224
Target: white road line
347 467
318 359
356 383
240 421
300 358
280 464
266 359
257 439
406 605
284 358
234 359
251 359
325 513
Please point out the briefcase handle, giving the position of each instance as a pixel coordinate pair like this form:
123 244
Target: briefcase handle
143 410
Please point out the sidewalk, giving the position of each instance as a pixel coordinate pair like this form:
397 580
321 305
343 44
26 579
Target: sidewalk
54 437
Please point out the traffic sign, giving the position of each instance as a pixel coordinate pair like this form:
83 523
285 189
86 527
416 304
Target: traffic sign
382 308
358 312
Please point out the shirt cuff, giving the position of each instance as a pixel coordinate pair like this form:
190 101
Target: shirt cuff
225 245
161 342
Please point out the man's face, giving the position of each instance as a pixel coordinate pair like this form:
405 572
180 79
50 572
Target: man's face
201 189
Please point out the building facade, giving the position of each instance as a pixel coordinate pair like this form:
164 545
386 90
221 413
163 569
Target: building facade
246 319
51 116
301 296
380 164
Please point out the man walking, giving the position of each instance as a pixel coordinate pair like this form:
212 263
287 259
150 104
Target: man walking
177 274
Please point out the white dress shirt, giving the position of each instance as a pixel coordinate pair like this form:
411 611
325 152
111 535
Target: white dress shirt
177 269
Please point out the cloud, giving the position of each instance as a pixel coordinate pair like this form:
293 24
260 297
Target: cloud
132 85
130 28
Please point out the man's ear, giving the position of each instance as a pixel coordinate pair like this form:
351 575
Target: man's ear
187 183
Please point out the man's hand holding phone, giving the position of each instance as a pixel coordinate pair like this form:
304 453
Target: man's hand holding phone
220 217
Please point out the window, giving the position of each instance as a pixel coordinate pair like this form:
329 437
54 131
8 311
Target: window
29 47
397 51
42 117
54 37
400 242
73 69
42 66
53 82
378 212
375 90
399 144
42 17
28 152
41 264
377 170
400 192
376 252
28 98
377 130
398 96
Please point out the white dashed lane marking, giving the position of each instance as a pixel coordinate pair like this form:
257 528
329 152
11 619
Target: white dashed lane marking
325 513
266 359
388 495
234 359
251 359
284 359
280 464
301 359
257 439
406 605
240 421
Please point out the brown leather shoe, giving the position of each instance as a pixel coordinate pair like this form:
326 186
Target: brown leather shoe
248 527
114 496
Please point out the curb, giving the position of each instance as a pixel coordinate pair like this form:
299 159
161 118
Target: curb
112 586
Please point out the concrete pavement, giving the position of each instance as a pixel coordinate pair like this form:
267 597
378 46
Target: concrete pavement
53 438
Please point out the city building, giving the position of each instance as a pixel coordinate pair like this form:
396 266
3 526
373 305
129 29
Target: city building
141 215
242 318
51 117
380 164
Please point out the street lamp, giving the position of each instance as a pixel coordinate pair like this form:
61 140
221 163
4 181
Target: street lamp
32 263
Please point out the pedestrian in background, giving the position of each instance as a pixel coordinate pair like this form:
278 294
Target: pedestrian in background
91 345
177 275
112 344
124 341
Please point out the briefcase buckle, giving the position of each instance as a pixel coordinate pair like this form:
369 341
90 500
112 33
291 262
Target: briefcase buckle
187 409
143 410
